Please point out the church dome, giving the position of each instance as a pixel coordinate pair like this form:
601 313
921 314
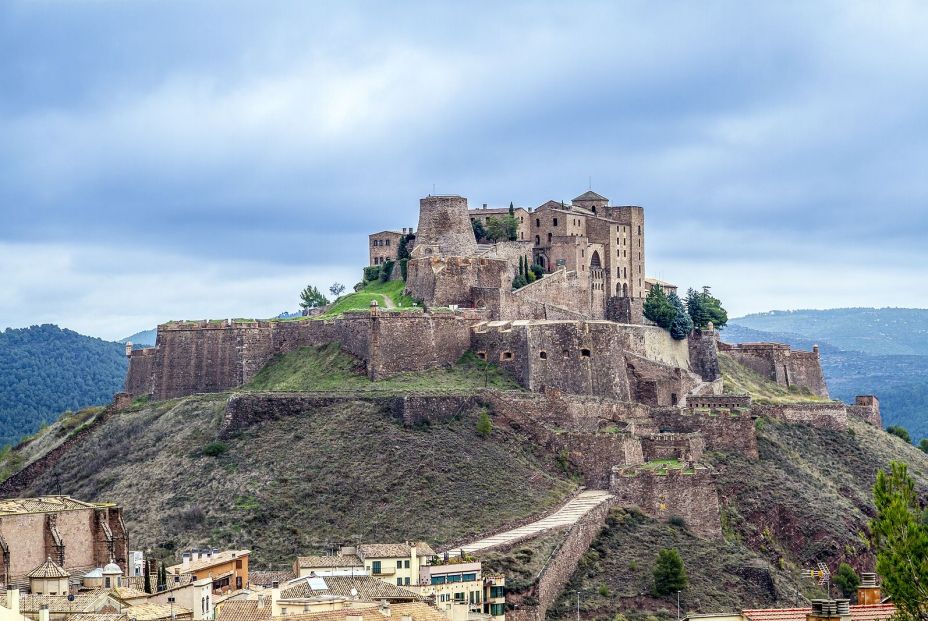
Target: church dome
112 568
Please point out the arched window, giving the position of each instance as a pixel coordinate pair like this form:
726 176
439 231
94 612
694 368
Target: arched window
625 290
537 240
594 260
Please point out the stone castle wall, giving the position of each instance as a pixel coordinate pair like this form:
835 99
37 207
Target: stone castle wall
202 357
704 354
867 408
781 364
690 494
726 430
826 415
444 228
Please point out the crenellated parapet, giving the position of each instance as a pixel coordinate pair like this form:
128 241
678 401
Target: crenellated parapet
781 364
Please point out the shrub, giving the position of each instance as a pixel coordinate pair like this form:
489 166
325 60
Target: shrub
371 273
657 308
847 579
900 432
215 449
603 590
923 445
669 573
677 520
484 424
386 271
538 270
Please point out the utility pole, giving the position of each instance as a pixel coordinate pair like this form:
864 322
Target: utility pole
578 605
678 605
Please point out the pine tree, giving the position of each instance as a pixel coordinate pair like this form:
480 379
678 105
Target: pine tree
484 424
847 580
147 577
900 539
658 308
162 577
681 325
669 573
312 298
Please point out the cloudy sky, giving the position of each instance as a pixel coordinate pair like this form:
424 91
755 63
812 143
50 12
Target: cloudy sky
168 160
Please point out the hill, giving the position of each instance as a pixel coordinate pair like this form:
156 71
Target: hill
45 370
898 380
876 331
143 338
344 466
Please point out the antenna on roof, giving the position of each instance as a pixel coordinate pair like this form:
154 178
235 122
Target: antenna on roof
589 185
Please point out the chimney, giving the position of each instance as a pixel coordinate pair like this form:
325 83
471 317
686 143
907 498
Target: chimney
43 613
830 610
484 205
384 608
815 349
260 602
185 563
868 593
128 349
12 599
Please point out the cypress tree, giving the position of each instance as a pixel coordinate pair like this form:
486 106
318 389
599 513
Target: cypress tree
147 577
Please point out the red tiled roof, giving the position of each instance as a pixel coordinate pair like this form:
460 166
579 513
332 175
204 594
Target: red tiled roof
873 612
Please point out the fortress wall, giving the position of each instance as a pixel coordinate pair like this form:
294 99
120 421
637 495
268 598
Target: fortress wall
867 408
656 384
782 365
827 415
403 342
139 380
554 296
723 430
444 228
690 495
704 354
209 356
579 413
682 446
443 281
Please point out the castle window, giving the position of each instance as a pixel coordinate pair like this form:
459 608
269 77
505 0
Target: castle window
538 222
387 242
537 240
566 353
549 238
543 355
506 355
482 355
639 229
555 222
673 398
584 353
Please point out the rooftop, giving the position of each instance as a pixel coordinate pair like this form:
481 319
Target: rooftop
417 611
366 588
243 610
874 612
202 563
151 612
49 569
319 562
44 504
590 195
394 550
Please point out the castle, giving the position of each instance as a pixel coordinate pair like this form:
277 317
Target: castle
602 386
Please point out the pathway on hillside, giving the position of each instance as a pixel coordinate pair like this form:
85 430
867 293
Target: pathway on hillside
576 508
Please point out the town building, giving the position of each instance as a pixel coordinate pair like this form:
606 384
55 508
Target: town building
523 220
76 535
228 570
457 583
383 246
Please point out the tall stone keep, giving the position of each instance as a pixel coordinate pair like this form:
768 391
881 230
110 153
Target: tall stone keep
444 228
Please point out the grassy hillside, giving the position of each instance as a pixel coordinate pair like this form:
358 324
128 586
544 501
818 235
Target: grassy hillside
806 499
387 294
294 484
738 379
45 370
329 368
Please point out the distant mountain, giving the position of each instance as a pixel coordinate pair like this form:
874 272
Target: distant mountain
145 337
899 380
869 330
45 370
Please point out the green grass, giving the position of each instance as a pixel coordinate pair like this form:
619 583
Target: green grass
387 294
661 464
329 369
738 379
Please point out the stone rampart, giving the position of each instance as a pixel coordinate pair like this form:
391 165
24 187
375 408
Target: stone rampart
198 357
826 415
444 281
867 408
578 357
716 402
779 363
657 384
444 228
724 430
560 566
704 354
689 493
680 446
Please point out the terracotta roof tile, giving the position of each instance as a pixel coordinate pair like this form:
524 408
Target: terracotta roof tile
243 610
365 588
394 550
48 569
152 612
205 563
265 578
417 610
317 562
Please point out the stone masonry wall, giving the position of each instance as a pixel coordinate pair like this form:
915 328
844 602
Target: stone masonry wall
724 430
444 228
831 415
704 354
689 494
560 566
867 408
782 365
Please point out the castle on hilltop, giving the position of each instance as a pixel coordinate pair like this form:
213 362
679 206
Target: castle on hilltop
592 255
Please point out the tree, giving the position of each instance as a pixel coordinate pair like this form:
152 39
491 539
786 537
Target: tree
502 229
479 232
900 540
658 308
512 224
162 577
900 432
147 575
669 573
538 270
336 289
484 424
923 445
703 307
847 580
681 325
312 298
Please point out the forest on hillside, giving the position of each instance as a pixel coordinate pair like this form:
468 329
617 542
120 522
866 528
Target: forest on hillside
45 371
